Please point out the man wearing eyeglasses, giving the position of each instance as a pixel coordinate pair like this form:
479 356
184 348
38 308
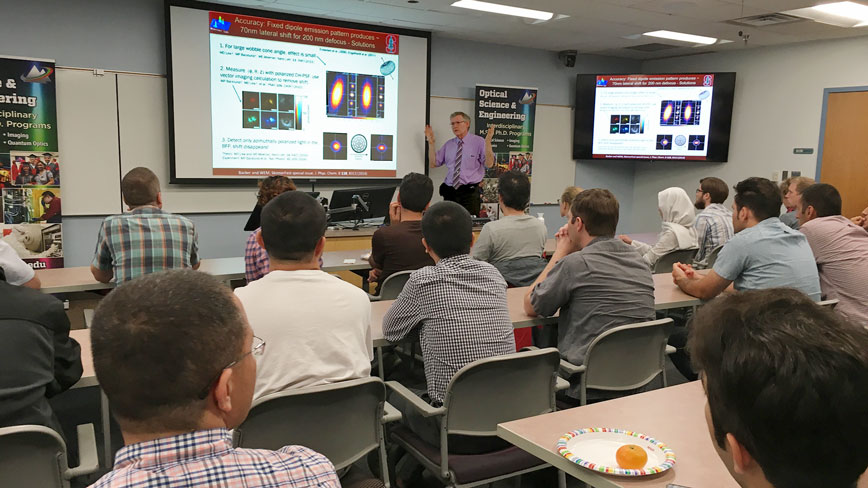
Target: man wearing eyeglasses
466 157
173 353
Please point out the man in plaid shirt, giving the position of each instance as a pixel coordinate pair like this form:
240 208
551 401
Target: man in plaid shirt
458 305
146 239
173 353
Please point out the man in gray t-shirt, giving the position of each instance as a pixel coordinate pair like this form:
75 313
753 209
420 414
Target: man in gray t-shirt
514 244
597 281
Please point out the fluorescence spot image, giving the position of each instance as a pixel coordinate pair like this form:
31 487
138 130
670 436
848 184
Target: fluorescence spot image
250 119
667 112
664 142
354 95
269 120
616 119
285 121
625 119
334 145
249 100
268 101
337 103
687 113
626 124
614 128
625 128
286 103
696 143
381 147
634 128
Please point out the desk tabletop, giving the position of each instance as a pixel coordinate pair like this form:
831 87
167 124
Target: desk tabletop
674 415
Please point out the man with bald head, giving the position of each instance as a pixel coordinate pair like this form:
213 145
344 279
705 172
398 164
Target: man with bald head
145 239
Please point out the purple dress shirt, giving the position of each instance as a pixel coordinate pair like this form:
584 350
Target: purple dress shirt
472 159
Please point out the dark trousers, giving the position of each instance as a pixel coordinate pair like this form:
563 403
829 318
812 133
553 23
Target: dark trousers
465 195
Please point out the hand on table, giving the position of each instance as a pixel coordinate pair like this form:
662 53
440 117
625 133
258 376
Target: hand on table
626 239
681 271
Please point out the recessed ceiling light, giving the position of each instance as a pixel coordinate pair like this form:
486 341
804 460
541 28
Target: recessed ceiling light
497 8
842 14
680 36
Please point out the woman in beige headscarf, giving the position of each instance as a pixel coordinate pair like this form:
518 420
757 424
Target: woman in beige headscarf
676 209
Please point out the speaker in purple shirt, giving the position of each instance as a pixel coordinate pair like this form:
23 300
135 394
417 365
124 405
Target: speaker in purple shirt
466 156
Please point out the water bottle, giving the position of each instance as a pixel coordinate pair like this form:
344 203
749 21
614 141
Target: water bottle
541 217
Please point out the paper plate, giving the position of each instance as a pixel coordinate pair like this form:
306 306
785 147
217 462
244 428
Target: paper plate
595 449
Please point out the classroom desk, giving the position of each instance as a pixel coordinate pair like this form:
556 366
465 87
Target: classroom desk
674 415
79 278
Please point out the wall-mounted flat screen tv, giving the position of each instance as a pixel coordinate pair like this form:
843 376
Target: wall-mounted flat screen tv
677 116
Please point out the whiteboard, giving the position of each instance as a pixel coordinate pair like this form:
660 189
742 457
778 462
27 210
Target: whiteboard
87 136
112 123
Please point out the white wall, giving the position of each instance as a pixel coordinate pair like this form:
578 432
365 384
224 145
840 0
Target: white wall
778 106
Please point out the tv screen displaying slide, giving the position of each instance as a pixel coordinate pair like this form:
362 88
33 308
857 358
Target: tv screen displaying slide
255 94
654 116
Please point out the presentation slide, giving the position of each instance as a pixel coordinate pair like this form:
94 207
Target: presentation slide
653 116
287 96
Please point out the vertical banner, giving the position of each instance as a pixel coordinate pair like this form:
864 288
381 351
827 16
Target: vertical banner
30 161
512 111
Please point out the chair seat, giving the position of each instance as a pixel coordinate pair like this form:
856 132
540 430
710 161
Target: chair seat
469 468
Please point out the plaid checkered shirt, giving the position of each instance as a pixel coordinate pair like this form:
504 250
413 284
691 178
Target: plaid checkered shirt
255 258
459 306
713 228
145 240
207 458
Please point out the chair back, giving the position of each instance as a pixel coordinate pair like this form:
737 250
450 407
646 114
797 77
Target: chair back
664 264
628 356
32 456
499 389
341 421
829 303
712 257
393 285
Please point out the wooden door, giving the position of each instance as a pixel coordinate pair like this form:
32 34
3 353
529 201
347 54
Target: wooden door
844 161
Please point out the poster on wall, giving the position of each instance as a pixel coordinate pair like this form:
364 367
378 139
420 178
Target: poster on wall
512 111
30 162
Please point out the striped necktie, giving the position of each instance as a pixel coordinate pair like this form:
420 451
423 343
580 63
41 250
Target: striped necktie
455 178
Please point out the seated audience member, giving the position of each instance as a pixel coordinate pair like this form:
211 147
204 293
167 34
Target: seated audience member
15 270
38 359
255 257
785 380
398 247
567 197
791 189
596 280
515 242
676 210
713 224
840 248
318 326
764 253
146 239
174 354
458 307
862 219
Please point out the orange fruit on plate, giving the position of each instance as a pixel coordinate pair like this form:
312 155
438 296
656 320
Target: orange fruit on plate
631 456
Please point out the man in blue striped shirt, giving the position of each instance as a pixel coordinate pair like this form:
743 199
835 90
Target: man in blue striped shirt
146 239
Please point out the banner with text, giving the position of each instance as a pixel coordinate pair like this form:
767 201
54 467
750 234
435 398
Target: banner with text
511 110
30 162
